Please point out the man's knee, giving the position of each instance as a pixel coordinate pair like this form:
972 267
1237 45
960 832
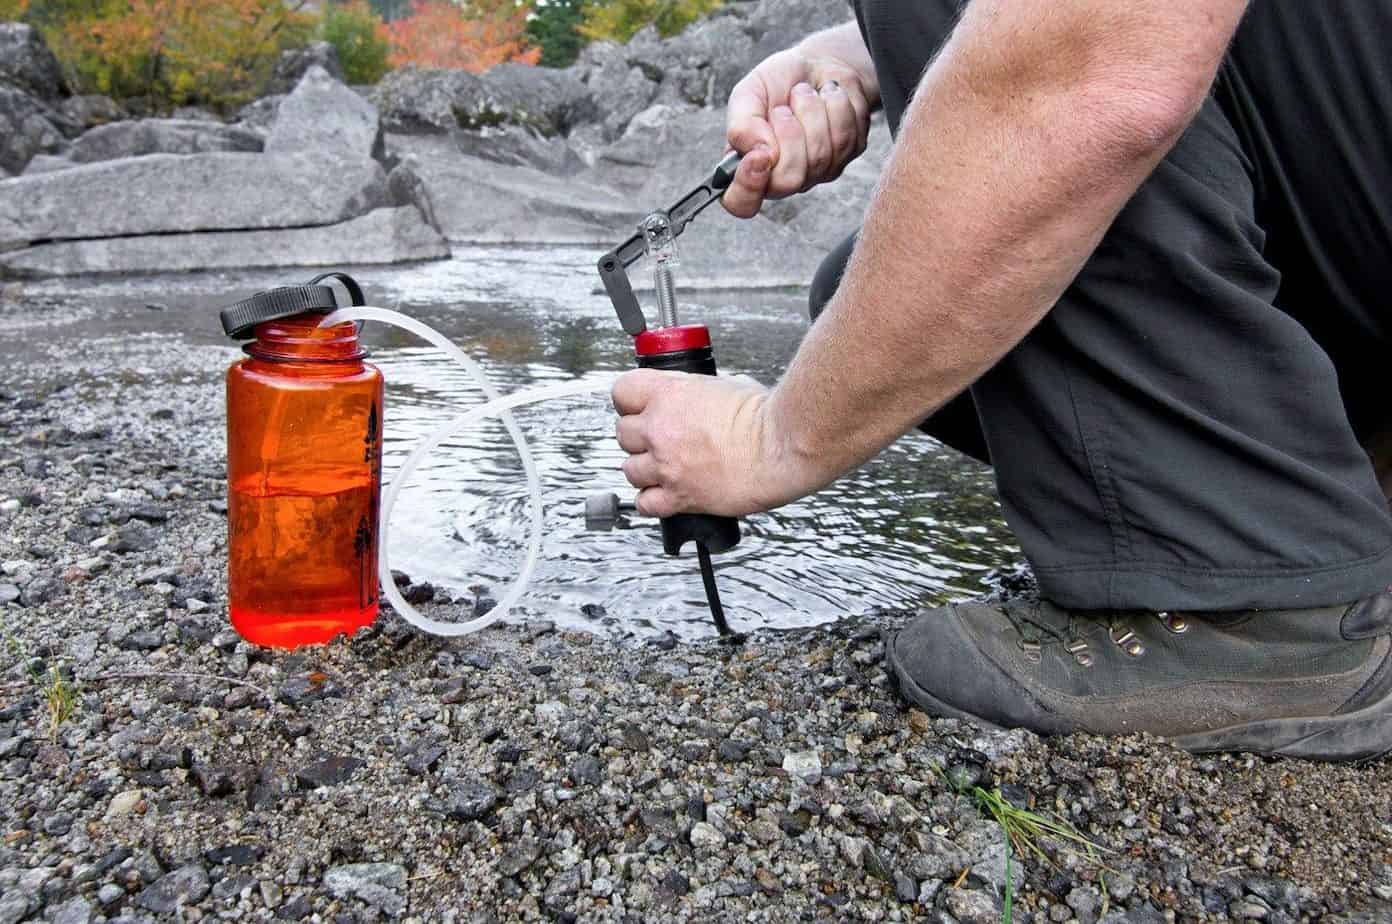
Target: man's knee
827 279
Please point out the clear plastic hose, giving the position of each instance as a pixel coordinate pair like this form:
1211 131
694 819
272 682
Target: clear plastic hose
498 406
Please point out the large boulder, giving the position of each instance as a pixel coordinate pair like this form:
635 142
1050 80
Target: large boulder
620 88
779 24
385 235
166 193
549 101
522 147
481 201
296 62
159 136
323 115
700 65
27 127
26 62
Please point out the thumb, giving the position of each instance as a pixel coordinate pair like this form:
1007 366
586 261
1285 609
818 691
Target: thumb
633 390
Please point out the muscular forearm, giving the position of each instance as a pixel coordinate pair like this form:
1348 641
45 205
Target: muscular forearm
843 44
1026 136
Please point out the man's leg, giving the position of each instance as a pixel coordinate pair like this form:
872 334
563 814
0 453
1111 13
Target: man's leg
1173 437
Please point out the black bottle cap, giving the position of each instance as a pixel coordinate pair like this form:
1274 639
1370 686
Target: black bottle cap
240 319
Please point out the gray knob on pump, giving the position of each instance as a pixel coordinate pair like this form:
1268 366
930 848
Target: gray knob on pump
602 511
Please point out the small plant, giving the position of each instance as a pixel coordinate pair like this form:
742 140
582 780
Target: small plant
1022 828
58 695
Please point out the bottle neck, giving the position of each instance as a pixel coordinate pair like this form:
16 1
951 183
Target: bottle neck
300 339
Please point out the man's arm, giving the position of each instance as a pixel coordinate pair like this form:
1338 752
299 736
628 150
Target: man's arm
1028 133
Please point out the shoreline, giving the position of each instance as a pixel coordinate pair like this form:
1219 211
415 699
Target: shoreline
530 773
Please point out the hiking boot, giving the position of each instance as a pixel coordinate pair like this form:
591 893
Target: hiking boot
1313 683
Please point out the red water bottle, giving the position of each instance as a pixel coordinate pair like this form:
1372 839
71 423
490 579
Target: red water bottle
304 469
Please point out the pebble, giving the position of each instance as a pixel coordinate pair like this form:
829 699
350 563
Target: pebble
184 886
805 765
9 593
110 894
971 907
472 799
519 856
704 836
331 771
74 911
377 884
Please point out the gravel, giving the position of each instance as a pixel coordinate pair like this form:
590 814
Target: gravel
394 776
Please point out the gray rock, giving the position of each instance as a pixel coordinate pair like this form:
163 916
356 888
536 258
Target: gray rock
110 894
621 89
414 101
377 884
705 836
805 765
519 856
481 201
331 771
323 115
27 127
47 163
521 146
90 110
405 187
186 885
700 65
971 907
15 907
938 858
259 115
779 24
386 235
74 911
160 136
9 593
990 866
143 640
165 193
1085 902
26 62
562 889
294 63
471 799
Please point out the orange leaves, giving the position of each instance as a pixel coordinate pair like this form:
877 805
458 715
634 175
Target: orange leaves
473 36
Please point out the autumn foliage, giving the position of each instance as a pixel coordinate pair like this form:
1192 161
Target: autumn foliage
172 52
471 36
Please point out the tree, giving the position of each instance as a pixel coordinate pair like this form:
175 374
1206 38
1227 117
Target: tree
355 32
555 27
391 9
618 20
472 36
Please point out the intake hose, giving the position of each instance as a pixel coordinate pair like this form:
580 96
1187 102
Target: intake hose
497 406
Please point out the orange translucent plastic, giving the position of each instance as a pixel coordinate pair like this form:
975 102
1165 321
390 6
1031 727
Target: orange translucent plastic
304 471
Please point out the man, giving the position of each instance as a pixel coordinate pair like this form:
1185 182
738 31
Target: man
1136 254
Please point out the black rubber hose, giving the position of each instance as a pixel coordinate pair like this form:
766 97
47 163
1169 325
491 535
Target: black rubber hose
712 594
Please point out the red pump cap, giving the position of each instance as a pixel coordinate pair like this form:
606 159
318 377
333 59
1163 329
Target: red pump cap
672 339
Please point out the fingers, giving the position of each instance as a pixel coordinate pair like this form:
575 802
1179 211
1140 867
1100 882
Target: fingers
811 111
790 172
641 470
843 126
633 390
746 194
657 502
630 436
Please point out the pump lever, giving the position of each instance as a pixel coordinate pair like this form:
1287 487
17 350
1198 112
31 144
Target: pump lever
613 265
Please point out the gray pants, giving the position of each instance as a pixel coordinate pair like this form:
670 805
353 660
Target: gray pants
1189 428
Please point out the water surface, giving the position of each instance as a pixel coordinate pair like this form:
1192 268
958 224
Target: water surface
917 526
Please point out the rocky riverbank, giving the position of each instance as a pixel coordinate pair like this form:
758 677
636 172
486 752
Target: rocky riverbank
155 767
316 173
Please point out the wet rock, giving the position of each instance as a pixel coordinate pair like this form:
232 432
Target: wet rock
471 800
377 884
185 886
330 771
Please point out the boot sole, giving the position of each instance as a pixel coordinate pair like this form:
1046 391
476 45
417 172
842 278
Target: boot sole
1363 736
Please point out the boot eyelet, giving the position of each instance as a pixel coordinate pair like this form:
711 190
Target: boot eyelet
1078 648
1126 640
1176 623
1030 649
